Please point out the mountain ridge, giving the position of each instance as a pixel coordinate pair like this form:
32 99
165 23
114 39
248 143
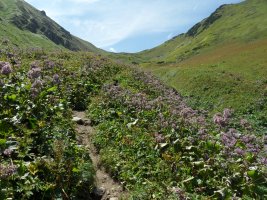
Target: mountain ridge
27 18
229 22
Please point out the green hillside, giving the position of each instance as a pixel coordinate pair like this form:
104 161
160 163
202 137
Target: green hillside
26 26
244 22
220 62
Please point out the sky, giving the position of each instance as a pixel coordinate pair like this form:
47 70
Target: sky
127 25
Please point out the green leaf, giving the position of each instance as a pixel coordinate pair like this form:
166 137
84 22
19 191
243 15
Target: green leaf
11 97
52 89
32 123
75 170
2 142
251 173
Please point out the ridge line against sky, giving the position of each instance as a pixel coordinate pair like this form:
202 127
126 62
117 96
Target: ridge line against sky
127 25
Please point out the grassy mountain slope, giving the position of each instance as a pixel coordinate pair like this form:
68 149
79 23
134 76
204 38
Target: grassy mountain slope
220 62
24 25
242 22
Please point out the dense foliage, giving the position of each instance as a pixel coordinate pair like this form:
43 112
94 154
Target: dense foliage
148 137
161 148
39 154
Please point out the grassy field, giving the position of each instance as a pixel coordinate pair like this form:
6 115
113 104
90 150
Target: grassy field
229 76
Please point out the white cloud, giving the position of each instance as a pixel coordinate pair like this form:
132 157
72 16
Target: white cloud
111 26
108 22
113 50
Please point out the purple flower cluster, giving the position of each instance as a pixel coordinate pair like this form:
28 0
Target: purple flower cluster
171 114
219 120
48 64
229 138
56 79
247 143
171 97
35 64
7 171
5 68
36 88
8 152
34 73
159 138
179 192
141 101
222 119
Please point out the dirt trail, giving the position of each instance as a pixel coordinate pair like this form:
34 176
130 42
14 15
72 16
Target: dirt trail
107 188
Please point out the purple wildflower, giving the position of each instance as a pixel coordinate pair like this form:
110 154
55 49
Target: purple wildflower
219 120
179 192
6 68
240 151
248 139
159 138
2 64
34 73
48 64
228 139
264 161
8 152
37 84
7 171
36 88
187 112
56 79
35 64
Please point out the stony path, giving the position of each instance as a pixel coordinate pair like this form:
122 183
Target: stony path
106 187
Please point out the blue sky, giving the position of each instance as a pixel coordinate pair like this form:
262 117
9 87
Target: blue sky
127 25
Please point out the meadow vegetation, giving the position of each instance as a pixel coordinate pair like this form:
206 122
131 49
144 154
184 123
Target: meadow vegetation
193 127
148 138
219 63
40 157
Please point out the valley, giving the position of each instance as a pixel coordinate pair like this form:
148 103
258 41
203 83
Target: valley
184 120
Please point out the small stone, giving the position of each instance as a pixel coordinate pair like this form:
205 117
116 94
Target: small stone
113 198
87 122
99 192
78 120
